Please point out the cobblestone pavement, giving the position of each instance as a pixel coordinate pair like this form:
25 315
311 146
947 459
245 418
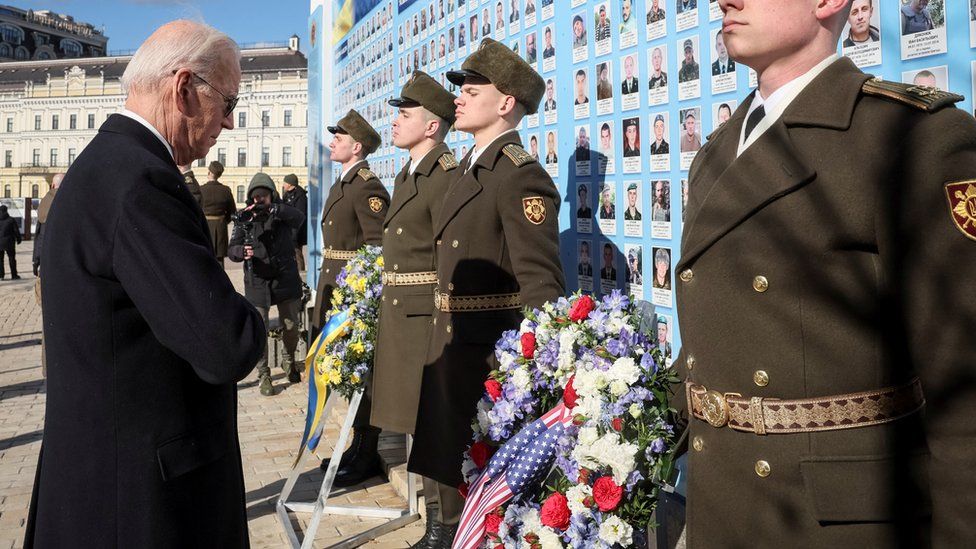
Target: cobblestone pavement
270 430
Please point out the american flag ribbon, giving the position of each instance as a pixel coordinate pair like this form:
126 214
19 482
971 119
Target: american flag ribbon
519 464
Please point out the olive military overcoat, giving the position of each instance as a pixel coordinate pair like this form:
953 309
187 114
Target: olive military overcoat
217 202
498 233
825 260
405 311
352 217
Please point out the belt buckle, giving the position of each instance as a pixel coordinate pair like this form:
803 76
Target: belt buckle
715 408
386 279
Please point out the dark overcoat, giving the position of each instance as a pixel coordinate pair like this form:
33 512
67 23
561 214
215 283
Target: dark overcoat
298 198
352 217
218 205
825 260
498 233
146 340
272 275
405 311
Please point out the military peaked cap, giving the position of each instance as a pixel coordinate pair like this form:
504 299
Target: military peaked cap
423 91
359 129
495 62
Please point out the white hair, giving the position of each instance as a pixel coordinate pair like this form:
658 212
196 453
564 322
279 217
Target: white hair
183 44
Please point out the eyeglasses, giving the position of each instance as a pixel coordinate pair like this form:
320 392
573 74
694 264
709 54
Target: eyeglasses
230 103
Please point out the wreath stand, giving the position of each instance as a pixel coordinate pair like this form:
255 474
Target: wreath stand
396 518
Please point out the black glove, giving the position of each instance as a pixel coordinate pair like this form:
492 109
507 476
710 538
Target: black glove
37 266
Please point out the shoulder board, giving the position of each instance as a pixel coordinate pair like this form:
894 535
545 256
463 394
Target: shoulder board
517 155
448 162
366 173
922 98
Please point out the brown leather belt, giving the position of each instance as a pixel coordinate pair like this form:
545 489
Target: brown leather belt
409 279
343 255
459 304
764 415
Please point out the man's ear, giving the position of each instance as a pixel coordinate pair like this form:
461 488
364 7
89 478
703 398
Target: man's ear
357 148
507 105
182 90
433 126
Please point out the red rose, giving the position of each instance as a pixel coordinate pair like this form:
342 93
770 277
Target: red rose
607 494
494 389
569 394
555 512
492 522
584 475
528 344
581 308
463 490
617 424
480 454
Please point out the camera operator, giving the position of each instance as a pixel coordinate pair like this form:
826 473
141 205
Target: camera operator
263 239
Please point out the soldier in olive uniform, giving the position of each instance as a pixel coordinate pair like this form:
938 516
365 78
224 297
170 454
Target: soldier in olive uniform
825 295
191 181
352 217
217 202
497 247
426 113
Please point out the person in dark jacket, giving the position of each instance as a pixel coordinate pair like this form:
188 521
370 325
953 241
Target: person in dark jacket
218 204
146 337
9 238
297 198
42 210
270 272
191 181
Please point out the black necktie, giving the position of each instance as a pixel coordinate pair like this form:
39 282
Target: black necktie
754 118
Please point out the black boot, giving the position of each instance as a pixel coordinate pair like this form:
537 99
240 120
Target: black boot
432 534
348 454
446 537
364 463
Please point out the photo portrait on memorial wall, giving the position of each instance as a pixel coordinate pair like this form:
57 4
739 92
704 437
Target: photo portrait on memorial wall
608 272
584 266
690 129
548 49
551 153
661 281
861 38
684 198
631 137
923 28
656 26
583 208
635 265
628 24
582 150
608 209
475 30
499 20
687 14
721 112
602 30
657 80
630 83
723 67
607 156
661 201
932 77
664 337
604 89
531 51
579 33
689 73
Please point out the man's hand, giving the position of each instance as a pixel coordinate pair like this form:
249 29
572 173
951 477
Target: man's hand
248 252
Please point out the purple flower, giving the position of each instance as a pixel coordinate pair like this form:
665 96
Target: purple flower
617 347
648 363
658 446
583 532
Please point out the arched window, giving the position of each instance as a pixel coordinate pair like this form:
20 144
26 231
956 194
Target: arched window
43 55
11 33
71 48
6 51
21 54
6 191
34 191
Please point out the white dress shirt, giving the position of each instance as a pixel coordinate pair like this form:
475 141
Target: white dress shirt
476 152
150 127
777 102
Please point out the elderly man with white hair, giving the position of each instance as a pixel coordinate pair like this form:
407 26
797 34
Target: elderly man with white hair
145 336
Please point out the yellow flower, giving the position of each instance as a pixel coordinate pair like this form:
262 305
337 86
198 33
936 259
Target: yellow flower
360 325
354 378
379 261
360 285
357 346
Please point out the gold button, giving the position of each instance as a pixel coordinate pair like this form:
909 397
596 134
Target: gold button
435 322
690 362
399 230
330 222
395 301
327 271
686 275
383 298
386 230
450 286
760 284
396 267
697 443
454 244
439 242
760 378
762 468
448 329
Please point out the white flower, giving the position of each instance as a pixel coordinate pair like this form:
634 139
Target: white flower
608 451
549 539
522 379
575 497
506 361
635 410
589 407
618 388
589 382
484 420
525 326
588 435
624 369
613 530
531 521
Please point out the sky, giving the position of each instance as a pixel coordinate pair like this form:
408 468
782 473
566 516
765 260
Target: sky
128 22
